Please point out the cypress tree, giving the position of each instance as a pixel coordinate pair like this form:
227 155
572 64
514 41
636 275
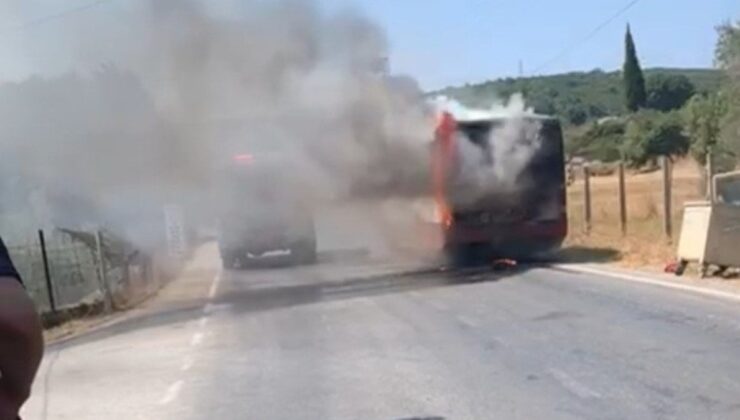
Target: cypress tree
634 81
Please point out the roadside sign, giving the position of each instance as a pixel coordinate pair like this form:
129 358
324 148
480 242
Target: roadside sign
175 231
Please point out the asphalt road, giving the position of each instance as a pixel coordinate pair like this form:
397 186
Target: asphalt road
347 339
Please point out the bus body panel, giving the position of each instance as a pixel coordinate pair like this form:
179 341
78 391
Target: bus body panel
524 218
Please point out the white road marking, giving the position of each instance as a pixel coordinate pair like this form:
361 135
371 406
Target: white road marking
573 386
197 339
214 286
172 392
655 282
211 308
187 364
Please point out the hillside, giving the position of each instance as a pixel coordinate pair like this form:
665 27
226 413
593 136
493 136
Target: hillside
576 97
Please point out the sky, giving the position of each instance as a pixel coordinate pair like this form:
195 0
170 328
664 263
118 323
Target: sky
444 43
439 42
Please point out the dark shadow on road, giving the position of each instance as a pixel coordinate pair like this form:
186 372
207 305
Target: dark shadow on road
344 255
424 418
284 260
584 255
278 297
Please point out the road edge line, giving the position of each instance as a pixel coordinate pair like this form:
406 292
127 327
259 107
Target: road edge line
644 279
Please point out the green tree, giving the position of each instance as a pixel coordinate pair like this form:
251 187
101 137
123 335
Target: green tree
727 51
633 79
727 56
650 135
596 111
703 117
667 138
543 105
576 114
601 141
666 92
571 109
601 93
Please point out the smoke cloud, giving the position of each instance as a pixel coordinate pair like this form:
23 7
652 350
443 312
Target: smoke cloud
146 116
146 108
495 166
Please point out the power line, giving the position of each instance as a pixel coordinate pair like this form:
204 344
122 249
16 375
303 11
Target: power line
44 19
565 51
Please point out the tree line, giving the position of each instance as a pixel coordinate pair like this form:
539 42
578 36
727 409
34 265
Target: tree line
667 116
580 98
634 114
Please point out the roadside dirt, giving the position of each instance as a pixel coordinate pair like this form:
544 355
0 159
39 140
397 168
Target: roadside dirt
645 247
190 288
645 244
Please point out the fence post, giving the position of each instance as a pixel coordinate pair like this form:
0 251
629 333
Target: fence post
667 215
102 275
622 200
710 174
47 272
587 198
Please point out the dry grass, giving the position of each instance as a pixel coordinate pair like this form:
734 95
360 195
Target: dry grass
645 244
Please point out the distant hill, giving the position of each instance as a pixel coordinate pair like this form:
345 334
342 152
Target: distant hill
576 97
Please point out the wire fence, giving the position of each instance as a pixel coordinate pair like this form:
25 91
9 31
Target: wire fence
66 270
649 204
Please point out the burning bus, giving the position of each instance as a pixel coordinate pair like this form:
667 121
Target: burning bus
499 186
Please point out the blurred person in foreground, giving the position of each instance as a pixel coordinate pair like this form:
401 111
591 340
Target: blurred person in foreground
21 341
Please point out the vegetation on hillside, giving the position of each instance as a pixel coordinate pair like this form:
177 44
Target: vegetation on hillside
705 124
570 96
637 115
703 117
728 59
651 134
600 141
668 92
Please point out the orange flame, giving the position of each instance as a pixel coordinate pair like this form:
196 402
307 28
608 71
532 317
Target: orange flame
442 155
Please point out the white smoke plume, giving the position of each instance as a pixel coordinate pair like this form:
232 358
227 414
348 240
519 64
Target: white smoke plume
498 168
147 116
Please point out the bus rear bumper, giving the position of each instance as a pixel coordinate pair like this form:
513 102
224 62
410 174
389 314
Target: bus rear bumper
512 241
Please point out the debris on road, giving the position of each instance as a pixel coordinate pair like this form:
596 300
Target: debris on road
504 264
